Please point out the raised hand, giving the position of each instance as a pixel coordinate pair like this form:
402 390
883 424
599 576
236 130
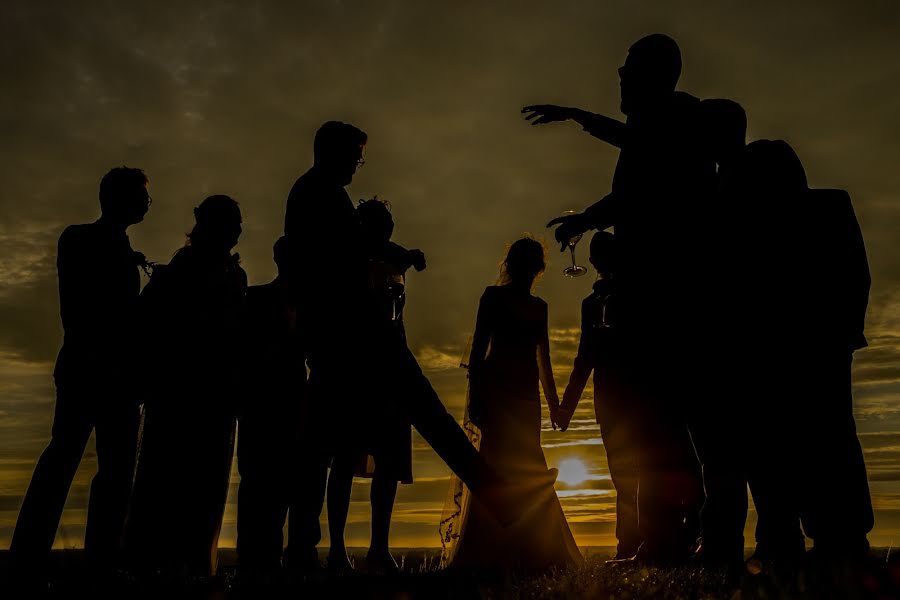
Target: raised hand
569 227
539 114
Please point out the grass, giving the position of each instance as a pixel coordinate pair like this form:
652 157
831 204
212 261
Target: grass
421 578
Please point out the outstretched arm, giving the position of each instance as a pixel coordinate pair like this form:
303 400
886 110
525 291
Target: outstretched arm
601 127
545 372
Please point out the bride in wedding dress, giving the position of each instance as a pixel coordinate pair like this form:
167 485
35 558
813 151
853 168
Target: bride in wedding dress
510 358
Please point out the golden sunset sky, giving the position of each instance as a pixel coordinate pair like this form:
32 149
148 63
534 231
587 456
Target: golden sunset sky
224 97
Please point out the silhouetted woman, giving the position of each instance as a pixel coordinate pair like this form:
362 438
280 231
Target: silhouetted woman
510 358
193 307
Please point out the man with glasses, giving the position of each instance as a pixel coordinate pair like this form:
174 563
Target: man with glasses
99 284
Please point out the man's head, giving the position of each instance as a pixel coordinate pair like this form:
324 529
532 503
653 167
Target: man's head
338 150
603 252
725 129
123 196
218 224
650 72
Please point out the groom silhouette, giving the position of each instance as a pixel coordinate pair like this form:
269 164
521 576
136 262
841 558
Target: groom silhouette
349 347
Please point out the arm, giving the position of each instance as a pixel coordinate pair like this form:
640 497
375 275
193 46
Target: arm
601 127
480 341
580 373
599 215
545 371
859 279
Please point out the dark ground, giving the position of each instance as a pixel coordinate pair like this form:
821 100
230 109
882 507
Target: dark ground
879 578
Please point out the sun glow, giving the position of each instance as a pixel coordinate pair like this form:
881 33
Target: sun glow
572 471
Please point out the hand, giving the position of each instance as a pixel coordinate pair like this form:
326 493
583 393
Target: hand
554 416
569 227
417 258
546 113
563 418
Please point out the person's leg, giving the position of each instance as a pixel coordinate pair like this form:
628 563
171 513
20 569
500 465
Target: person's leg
43 504
263 492
340 484
833 468
382 495
116 440
612 412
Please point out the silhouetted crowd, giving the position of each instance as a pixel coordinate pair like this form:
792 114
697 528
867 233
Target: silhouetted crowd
720 333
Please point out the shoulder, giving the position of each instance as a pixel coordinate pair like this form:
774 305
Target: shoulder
74 235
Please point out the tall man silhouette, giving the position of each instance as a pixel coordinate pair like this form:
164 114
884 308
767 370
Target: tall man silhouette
99 284
350 348
661 184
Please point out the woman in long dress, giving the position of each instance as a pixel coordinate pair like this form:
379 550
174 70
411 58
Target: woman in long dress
194 306
510 359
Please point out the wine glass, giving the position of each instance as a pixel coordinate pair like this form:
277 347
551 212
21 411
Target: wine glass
575 270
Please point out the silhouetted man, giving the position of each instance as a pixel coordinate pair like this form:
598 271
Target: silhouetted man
660 190
835 504
99 284
275 377
717 410
350 347
599 351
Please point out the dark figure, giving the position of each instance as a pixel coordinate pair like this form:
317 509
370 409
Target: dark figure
99 284
349 343
193 307
599 351
391 450
835 273
718 409
769 180
274 374
659 199
510 361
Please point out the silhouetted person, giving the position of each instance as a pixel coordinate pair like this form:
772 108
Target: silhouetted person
660 190
347 338
193 308
391 449
99 284
274 374
767 190
508 365
832 268
599 351
718 418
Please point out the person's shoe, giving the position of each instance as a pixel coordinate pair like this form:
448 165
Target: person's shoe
381 562
646 556
339 563
301 564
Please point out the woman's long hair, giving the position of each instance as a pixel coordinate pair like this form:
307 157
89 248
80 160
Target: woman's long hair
525 261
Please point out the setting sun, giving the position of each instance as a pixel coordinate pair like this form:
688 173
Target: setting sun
572 471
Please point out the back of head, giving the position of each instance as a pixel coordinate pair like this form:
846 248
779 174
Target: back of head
603 251
771 168
123 194
282 253
218 223
524 261
375 218
725 128
658 57
335 140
